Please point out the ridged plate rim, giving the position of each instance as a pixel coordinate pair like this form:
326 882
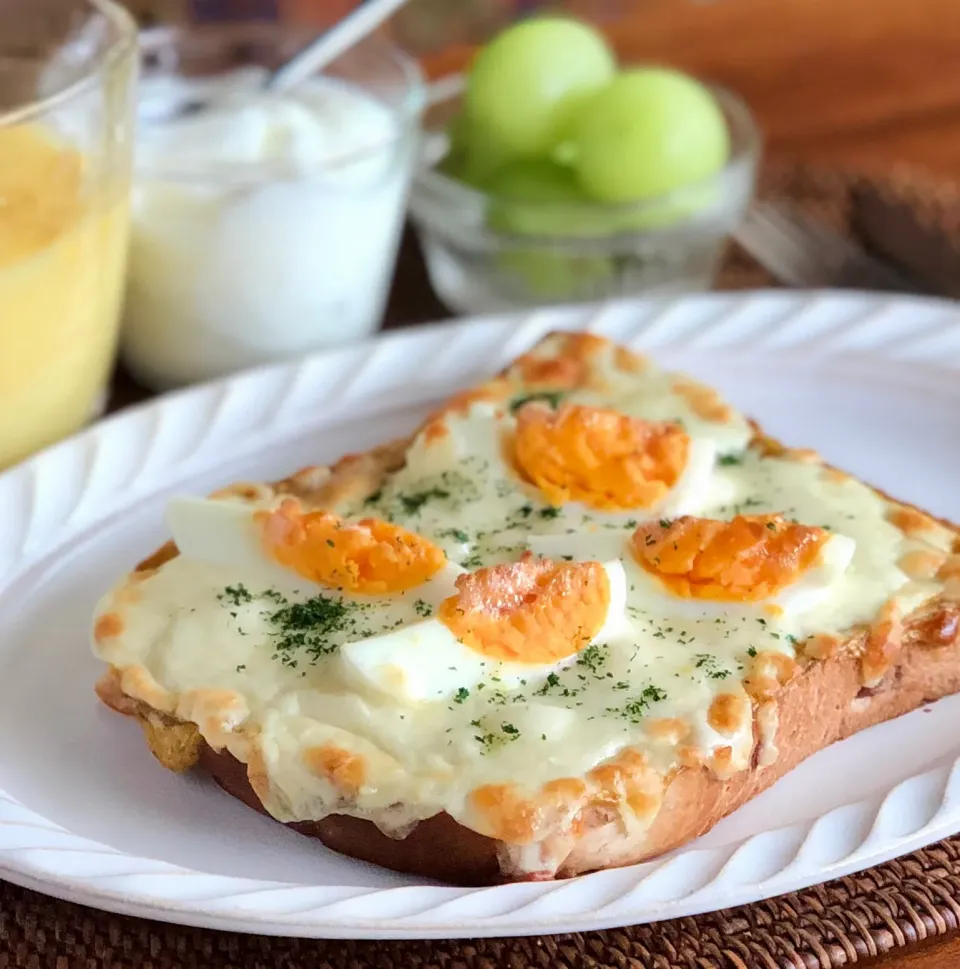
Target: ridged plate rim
176 435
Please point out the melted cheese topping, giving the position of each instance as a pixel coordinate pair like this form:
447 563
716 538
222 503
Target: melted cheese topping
371 706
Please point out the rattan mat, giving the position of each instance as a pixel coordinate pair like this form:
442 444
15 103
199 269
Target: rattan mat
894 905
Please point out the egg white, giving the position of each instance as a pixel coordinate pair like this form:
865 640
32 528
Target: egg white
223 532
696 488
425 661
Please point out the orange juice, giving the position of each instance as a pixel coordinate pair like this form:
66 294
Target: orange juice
63 240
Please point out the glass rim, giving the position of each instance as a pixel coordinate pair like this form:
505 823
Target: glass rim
124 46
746 141
407 111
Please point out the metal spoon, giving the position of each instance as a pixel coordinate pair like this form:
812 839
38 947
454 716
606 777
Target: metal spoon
316 55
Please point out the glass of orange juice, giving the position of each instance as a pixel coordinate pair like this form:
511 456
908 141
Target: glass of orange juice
67 77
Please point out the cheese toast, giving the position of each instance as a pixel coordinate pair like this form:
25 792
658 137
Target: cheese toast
583 613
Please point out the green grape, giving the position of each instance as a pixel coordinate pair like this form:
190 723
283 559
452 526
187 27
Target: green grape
541 198
471 159
538 198
482 159
537 181
649 131
527 83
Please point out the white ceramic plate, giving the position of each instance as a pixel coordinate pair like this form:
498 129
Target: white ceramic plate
85 812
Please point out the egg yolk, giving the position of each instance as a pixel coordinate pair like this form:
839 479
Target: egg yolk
532 611
596 456
368 557
744 560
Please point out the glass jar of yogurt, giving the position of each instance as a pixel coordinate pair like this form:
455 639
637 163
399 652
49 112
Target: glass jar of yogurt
263 226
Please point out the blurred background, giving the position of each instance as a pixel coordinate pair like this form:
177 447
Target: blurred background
833 127
862 82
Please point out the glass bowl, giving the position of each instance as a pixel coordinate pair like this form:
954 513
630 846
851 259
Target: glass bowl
251 252
578 252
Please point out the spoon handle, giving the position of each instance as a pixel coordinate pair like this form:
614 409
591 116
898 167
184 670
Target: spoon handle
332 43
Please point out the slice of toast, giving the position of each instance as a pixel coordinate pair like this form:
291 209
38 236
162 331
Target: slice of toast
731 691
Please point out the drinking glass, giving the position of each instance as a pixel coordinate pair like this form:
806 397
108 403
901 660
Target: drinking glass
67 76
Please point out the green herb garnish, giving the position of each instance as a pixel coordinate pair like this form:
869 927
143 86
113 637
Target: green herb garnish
492 739
413 503
593 657
635 709
552 682
309 626
709 665
551 397
235 595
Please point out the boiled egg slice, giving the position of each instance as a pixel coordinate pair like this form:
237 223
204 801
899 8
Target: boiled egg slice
612 463
506 626
761 565
290 546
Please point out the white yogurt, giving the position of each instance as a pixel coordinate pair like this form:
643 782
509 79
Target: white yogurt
263 227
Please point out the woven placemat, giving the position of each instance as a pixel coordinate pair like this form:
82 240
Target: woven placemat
893 906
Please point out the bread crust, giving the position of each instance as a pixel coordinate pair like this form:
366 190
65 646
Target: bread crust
437 848
695 798
917 663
